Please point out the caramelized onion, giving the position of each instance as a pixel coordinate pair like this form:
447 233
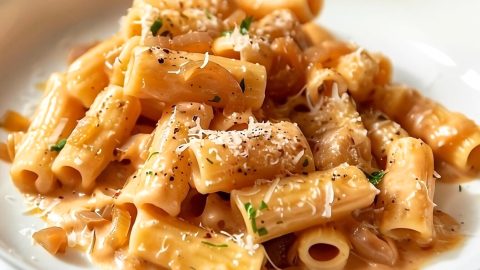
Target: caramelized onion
53 239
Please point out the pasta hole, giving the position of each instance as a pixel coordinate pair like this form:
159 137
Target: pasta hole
28 179
198 202
474 159
323 252
301 108
69 176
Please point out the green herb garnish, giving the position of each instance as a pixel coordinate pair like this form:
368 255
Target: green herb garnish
209 15
226 33
214 245
263 205
152 154
216 99
242 85
376 177
156 26
245 25
252 214
149 173
262 231
59 145
305 162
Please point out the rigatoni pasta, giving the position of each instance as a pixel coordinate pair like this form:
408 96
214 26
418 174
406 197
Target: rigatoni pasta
236 135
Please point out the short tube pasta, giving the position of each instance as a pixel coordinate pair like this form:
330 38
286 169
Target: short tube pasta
163 180
172 243
228 160
299 202
406 192
216 81
321 248
382 132
89 74
452 136
305 10
55 118
89 148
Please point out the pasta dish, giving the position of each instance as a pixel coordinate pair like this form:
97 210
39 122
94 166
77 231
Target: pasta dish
236 134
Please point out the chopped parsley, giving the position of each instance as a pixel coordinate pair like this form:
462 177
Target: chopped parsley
262 231
209 15
149 173
252 215
152 154
226 33
245 25
305 162
156 26
59 145
215 99
376 177
263 205
214 245
242 85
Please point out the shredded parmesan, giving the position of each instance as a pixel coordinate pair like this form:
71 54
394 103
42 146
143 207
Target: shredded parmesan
205 61
269 193
329 196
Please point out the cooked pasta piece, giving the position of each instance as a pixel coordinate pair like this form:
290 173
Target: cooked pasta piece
89 74
228 160
406 192
216 81
163 180
299 202
231 121
452 136
121 63
54 119
321 248
175 244
13 121
316 33
382 132
336 133
360 70
89 148
305 10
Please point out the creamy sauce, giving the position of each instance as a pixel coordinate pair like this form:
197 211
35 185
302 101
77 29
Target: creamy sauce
452 175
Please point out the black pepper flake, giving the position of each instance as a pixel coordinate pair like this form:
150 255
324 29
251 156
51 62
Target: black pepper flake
209 161
459 188
216 99
171 178
161 61
242 85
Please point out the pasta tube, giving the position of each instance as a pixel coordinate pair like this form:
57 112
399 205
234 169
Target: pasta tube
321 248
54 119
305 10
90 147
336 133
163 180
175 244
382 132
298 202
216 81
406 192
452 136
228 160
89 75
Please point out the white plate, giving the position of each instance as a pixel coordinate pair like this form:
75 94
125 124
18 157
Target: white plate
433 44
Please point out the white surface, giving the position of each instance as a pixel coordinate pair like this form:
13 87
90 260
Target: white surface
434 46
